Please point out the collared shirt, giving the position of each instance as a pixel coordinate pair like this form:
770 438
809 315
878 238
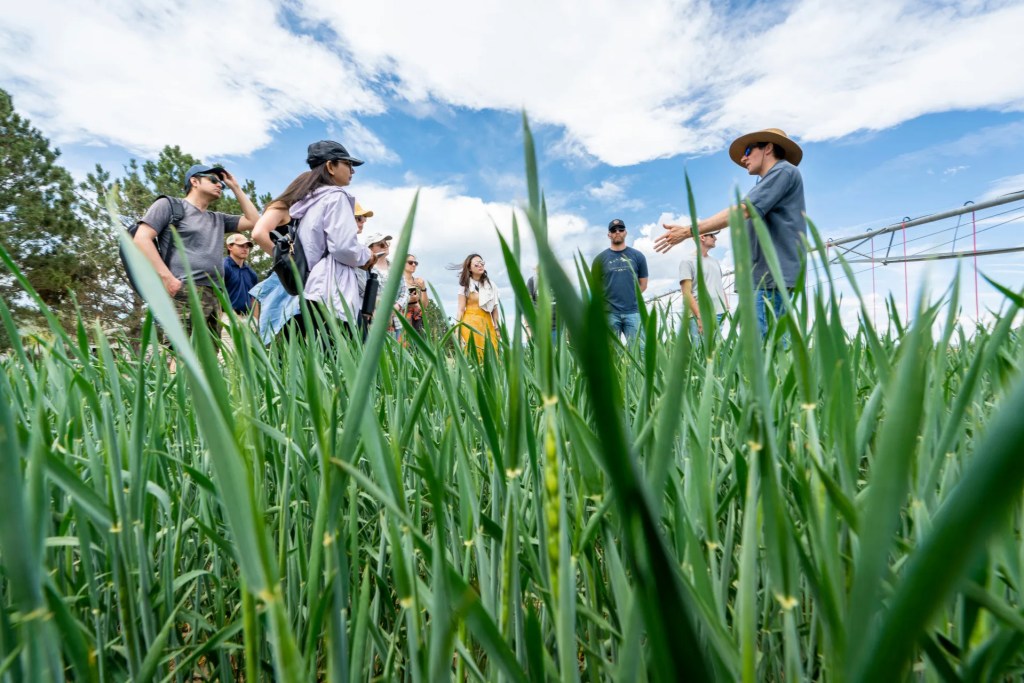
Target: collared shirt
779 198
238 280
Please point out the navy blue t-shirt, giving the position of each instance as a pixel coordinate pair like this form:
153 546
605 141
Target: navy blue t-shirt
238 280
622 269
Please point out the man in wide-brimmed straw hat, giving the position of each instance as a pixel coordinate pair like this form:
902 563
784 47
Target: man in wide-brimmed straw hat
778 198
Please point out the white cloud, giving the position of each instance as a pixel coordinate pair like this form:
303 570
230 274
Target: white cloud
632 83
953 170
450 225
360 140
1005 185
627 82
217 78
607 192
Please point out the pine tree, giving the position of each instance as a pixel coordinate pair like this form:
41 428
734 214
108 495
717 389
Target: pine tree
39 226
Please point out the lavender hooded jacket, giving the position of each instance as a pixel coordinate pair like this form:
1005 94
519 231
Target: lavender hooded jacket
328 234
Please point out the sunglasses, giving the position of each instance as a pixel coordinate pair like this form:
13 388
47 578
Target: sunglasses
245 245
413 263
617 228
752 147
212 178
361 219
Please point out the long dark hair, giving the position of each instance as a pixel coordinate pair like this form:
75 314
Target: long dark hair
464 276
306 182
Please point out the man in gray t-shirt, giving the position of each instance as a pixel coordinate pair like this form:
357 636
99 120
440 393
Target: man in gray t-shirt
710 284
779 199
202 235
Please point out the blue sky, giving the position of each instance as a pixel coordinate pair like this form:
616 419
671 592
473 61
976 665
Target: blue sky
902 107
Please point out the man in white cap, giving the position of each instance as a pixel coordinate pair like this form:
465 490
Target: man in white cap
380 245
778 197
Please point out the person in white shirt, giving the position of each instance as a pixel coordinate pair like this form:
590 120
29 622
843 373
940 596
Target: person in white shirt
712 284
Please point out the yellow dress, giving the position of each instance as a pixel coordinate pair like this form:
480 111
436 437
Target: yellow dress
482 324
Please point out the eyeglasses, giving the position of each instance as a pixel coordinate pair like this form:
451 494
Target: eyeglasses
751 147
413 263
617 228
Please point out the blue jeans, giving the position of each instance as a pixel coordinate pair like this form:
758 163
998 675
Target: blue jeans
695 333
763 298
627 324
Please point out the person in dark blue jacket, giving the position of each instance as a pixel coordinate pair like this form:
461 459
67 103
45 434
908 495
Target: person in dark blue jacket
239 277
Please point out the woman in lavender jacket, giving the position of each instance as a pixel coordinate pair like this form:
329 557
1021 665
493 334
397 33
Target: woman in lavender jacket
328 233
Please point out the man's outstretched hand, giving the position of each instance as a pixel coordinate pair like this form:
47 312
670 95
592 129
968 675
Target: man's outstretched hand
673 235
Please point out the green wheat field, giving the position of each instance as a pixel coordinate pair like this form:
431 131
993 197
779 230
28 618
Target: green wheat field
831 505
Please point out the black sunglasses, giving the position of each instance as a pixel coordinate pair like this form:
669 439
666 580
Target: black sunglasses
213 178
413 263
617 228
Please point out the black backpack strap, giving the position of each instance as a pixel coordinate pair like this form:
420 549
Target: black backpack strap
177 209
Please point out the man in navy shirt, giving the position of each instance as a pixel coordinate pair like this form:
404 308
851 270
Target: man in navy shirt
778 198
623 269
239 277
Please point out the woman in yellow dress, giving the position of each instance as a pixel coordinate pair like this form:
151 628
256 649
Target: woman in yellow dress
478 305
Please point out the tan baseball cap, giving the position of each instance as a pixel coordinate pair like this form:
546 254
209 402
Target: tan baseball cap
238 238
360 211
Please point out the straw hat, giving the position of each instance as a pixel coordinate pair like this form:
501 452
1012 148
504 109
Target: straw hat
773 135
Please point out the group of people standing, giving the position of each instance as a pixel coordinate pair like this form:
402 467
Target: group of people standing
340 258
778 200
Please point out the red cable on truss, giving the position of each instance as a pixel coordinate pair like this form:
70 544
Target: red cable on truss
974 229
906 277
874 297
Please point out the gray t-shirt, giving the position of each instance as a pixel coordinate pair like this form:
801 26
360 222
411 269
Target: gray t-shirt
202 234
779 198
712 278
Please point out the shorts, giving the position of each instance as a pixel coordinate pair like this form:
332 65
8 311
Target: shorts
209 306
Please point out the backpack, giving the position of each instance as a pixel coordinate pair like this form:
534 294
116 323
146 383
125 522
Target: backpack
164 241
289 257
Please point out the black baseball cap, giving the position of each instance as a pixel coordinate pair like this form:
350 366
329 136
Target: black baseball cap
197 169
617 223
328 150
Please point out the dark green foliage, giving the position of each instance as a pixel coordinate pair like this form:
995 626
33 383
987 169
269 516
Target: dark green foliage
38 224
